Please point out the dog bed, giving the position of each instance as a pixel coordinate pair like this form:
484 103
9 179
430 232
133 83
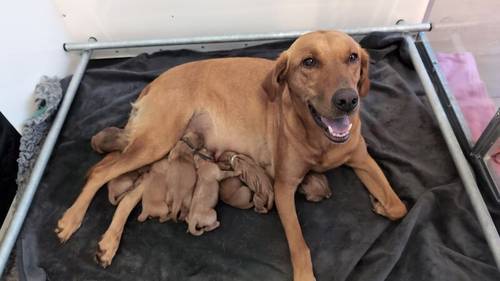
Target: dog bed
439 239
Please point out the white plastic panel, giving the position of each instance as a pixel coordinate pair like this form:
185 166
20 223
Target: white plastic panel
32 36
109 20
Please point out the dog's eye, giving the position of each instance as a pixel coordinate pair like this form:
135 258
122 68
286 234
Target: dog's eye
309 62
353 58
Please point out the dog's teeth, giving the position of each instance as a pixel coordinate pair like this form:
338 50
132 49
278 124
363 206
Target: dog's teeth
330 130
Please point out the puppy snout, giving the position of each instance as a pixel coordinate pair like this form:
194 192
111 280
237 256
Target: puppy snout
345 99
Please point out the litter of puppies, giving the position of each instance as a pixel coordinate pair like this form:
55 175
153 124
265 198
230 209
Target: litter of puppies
185 186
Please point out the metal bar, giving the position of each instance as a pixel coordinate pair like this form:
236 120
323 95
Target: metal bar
13 229
488 137
485 178
485 221
234 38
447 98
428 10
456 118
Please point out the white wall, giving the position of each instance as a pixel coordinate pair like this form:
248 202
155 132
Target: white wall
119 19
33 30
32 35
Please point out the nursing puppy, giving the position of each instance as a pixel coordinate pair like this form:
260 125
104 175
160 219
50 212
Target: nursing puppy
118 187
202 217
170 182
182 175
315 187
109 139
114 139
296 114
151 185
252 175
154 190
234 193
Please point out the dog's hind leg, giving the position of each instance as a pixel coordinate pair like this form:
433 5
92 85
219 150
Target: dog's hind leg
150 140
112 166
110 241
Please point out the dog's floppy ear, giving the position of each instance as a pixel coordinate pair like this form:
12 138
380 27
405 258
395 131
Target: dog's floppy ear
364 81
275 80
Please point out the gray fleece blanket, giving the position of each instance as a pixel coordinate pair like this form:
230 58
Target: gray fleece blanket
439 239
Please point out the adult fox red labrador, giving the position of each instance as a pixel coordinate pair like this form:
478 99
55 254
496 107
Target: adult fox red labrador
292 115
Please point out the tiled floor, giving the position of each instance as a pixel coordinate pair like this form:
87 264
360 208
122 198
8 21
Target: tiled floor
474 26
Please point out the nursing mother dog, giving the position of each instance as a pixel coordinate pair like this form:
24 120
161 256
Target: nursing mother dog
295 116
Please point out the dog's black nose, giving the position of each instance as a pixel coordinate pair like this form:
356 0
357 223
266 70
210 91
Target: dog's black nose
345 99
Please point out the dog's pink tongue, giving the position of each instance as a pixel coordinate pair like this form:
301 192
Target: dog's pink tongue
339 125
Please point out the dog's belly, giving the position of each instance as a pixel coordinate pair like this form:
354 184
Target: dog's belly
226 102
234 131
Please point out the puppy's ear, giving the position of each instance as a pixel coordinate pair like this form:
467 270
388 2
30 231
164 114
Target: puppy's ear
364 81
274 84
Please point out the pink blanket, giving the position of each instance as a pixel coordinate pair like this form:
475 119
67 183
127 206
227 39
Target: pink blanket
470 92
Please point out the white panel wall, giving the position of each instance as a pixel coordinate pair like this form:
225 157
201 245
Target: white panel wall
119 20
32 35
33 30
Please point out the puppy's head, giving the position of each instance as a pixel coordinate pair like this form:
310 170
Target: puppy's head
194 140
327 71
224 160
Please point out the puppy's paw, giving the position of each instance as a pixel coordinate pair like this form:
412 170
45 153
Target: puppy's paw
212 226
68 224
315 187
319 196
142 217
259 205
263 201
106 249
394 211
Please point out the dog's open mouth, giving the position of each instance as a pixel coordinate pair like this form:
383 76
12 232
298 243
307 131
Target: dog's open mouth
337 129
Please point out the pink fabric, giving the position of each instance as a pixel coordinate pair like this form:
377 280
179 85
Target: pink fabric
470 92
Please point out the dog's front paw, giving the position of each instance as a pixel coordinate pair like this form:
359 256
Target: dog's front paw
106 249
68 224
394 211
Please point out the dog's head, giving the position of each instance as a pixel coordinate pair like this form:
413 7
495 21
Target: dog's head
327 72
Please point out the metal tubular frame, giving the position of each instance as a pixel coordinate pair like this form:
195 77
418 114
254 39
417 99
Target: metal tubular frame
488 137
479 151
447 98
19 212
464 170
235 38
457 120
